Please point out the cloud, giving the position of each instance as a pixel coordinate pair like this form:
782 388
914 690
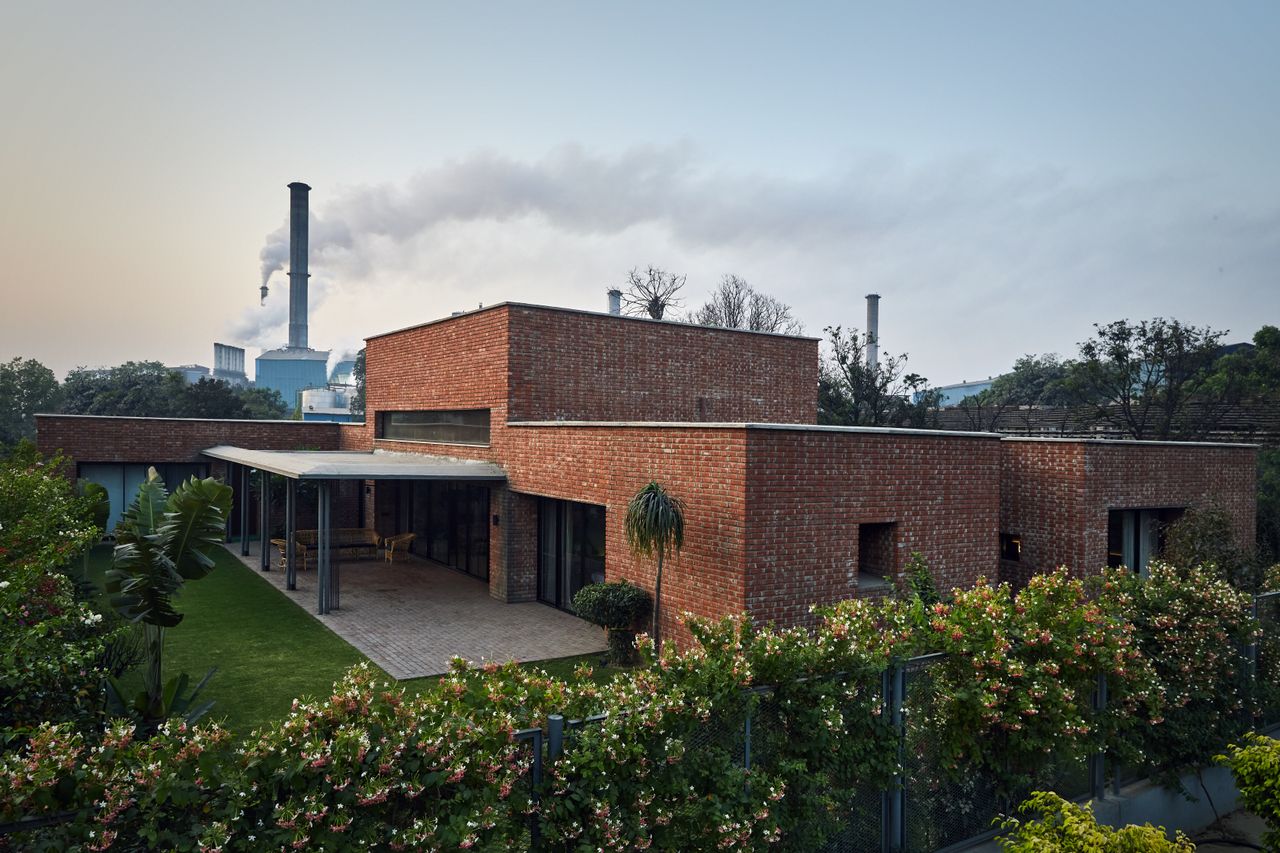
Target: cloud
978 262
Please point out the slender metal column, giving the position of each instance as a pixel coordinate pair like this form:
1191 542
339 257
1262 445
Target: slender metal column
290 528
264 530
244 509
322 549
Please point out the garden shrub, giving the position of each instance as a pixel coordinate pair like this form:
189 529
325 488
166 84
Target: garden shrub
1065 827
1205 538
620 607
53 647
1190 626
1255 763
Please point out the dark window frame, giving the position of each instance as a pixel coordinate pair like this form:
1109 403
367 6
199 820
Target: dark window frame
470 427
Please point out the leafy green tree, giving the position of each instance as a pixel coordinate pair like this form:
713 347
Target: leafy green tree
263 404
854 393
211 398
1036 382
654 527
164 540
1154 379
357 377
26 388
135 388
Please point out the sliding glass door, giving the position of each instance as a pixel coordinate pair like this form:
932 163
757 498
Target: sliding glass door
452 523
570 549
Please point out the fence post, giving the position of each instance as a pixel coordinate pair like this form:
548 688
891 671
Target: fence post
893 801
555 736
1097 761
535 793
1253 709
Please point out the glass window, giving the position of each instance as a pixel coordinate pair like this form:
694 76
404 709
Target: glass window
454 426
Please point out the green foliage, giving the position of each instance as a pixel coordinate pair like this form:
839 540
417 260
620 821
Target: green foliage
357 378
1206 538
27 387
163 541
1142 376
1188 627
1065 827
1255 763
619 607
920 580
852 393
149 389
654 527
52 646
1036 381
1269 504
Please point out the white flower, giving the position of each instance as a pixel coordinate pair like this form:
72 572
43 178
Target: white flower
4 584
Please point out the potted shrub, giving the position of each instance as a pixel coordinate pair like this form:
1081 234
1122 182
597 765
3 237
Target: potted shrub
618 607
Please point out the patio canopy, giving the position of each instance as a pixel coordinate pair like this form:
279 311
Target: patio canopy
357 465
325 466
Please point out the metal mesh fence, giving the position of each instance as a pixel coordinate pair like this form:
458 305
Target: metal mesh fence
940 807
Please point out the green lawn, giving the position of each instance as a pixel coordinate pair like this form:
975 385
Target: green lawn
268 650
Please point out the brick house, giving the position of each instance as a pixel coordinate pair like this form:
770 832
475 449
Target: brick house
578 410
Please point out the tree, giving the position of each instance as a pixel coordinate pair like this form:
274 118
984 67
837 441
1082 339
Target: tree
357 376
1144 377
653 292
654 527
735 304
262 404
1036 381
135 388
210 398
854 393
26 388
163 541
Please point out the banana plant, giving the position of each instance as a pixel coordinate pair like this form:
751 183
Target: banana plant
163 541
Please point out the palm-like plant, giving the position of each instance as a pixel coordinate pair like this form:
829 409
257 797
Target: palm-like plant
654 526
163 541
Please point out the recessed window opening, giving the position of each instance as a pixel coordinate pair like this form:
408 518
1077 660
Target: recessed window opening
1136 536
444 426
877 552
1010 547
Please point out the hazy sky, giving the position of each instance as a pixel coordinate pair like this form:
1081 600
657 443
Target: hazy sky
1004 174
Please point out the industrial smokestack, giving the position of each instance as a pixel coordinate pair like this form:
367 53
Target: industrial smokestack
298 274
615 301
873 330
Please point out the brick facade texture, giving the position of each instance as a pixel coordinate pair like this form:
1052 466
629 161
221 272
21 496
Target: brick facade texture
1056 494
773 515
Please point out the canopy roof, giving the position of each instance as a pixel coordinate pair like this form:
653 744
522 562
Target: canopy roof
357 465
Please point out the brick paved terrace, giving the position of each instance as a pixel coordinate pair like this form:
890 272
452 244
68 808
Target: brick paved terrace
412 617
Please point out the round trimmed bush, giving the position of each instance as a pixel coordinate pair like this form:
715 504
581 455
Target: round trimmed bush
618 607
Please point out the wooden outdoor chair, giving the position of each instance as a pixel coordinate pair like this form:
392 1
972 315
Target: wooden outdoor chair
283 548
398 544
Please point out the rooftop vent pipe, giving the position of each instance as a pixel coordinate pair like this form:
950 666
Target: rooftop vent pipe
873 329
615 301
298 274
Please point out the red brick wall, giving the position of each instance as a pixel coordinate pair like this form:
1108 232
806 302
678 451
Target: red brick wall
88 438
1041 501
607 465
1056 494
1144 476
569 365
807 492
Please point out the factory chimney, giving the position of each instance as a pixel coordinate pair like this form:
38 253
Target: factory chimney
615 301
298 274
873 330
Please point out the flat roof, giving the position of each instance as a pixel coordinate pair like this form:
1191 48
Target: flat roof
357 465
862 430
1066 439
627 317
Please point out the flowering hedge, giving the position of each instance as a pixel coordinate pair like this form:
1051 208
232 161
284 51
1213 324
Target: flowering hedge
52 646
372 768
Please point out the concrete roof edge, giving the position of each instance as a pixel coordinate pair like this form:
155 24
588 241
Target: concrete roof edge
1237 445
859 430
184 420
510 304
